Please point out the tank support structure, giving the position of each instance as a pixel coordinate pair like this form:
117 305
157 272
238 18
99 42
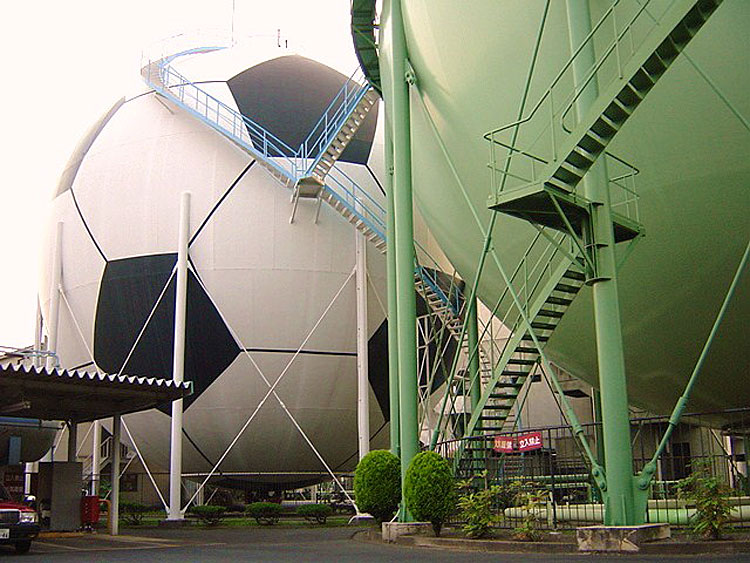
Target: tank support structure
619 497
400 201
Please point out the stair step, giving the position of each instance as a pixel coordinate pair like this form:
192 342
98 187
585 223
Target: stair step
543 326
515 373
526 350
504 396
527 337
552 300
567 288
521 361
575 275
550 313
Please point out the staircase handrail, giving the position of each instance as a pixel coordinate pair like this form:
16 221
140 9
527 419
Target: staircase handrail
333 117
589 37
167 72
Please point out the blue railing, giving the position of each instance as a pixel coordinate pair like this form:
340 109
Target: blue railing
330 123
292 163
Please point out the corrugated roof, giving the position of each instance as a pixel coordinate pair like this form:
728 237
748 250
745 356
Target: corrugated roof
79 395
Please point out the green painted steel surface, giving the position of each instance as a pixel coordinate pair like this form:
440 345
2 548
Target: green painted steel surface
688 142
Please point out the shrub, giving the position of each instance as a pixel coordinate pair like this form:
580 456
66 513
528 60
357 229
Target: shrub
266 513
476 509
711 499
430 490
530 500
209 514
377 484
315 512
132 512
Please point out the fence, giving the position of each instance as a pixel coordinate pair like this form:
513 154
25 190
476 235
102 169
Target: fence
550 460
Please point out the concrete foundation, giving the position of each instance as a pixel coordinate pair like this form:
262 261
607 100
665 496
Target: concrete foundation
392 530
620 538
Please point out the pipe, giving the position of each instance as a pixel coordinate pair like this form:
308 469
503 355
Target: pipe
595 513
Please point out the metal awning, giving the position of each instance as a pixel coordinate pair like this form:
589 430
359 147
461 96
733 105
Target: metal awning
81 396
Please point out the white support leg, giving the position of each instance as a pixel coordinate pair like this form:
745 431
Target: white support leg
115 457
178 367
96 451
363 384
54 297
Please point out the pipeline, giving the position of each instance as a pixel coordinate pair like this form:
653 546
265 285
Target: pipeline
667 511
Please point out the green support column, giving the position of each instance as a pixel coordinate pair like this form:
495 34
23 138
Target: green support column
393 386
404 247
618 457
472 339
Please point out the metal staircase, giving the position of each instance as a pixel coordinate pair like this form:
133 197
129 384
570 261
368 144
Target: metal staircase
545 282
538 182
307 170
571 145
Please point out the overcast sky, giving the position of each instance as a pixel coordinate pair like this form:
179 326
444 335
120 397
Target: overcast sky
65 62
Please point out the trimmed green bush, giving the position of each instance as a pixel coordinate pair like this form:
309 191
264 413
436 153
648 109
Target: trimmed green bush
430 490
132 512
209 514
377 484
266 513
315 512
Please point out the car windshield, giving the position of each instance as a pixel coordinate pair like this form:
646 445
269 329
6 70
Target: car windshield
4 493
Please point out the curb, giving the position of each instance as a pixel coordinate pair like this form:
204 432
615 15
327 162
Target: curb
670 548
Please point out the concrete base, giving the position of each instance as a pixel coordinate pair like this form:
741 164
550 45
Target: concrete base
174 523
620 538
392 530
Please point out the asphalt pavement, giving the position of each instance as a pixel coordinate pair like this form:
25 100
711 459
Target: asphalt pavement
276 544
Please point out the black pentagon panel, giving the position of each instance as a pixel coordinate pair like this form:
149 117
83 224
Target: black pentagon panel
129 289
288 95
377 358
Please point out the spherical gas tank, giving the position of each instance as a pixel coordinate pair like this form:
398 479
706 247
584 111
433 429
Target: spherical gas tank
271 316
480 67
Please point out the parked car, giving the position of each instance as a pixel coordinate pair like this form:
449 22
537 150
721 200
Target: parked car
19 523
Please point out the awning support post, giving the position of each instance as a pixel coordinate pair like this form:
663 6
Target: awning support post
96 450
72 440
178 366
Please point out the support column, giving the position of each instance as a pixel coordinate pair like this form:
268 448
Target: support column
72 440
363 382
472 339
54 297
115 478
404 246
96 452
393 386
178 366
619 497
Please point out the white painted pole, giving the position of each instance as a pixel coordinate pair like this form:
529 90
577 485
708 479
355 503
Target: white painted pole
54 296
115 479
363 384
178 367
96 452
38 336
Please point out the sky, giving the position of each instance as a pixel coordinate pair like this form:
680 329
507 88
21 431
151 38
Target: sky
65 63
